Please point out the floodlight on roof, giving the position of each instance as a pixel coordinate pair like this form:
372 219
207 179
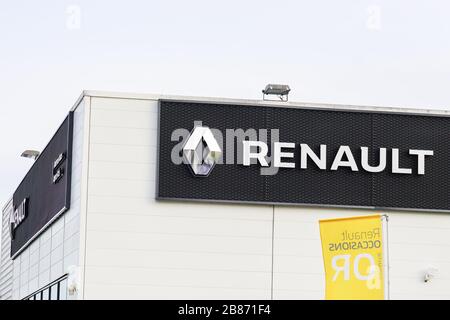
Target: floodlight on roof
280 90
32 154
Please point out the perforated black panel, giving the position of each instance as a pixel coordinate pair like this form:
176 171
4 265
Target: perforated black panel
232 182
429 191
226 182
45 198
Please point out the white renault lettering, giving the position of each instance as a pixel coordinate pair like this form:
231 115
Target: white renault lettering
283 155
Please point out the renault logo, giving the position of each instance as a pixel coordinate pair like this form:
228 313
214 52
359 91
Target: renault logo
201 151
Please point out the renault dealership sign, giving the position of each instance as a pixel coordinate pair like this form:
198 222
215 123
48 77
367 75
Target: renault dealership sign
44 193
202 152
17 216
344 157
267 154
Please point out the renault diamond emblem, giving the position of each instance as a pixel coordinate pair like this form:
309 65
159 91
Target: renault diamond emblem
201 151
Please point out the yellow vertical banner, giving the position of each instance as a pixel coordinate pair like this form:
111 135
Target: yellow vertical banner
353 257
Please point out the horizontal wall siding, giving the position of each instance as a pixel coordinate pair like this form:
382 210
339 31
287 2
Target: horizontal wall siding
416 241
138 247
6 265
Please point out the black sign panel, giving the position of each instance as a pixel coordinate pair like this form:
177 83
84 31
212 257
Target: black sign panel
312 186
44 193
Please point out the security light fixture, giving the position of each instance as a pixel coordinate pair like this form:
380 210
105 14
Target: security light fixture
280 90
73 279
430 273
33 154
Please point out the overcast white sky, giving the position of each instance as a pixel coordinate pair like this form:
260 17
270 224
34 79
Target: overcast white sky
386 52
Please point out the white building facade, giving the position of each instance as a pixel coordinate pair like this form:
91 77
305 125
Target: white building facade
120 239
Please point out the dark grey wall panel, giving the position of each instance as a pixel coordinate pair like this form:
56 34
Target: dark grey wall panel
313 186
429 191
45 199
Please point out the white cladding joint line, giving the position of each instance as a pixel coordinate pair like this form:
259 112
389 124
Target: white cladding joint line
343 158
